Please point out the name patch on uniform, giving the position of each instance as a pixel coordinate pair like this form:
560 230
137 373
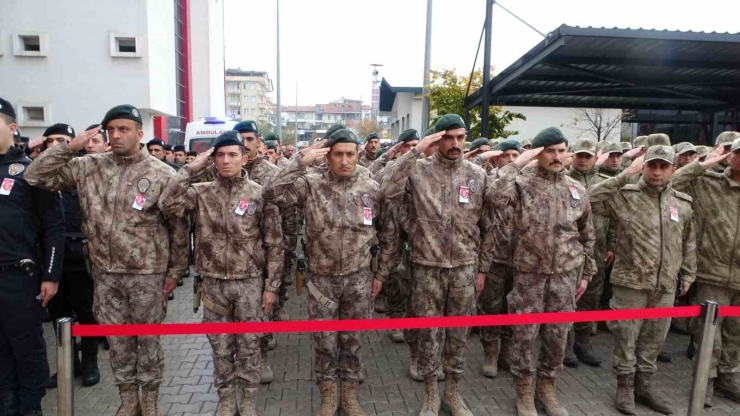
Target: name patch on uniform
464 195
139 202
367 216
7 186
242 207
15 169
674 214
574 192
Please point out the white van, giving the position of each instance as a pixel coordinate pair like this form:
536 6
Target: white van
200 135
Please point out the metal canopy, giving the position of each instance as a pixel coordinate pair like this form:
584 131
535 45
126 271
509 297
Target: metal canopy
623 68
388 94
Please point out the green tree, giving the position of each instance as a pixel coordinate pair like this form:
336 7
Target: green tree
447 96
366 126
264 128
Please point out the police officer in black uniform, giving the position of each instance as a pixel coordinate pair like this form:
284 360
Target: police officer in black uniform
76 288
31 255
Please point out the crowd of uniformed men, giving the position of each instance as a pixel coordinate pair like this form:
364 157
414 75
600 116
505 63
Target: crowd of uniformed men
98 227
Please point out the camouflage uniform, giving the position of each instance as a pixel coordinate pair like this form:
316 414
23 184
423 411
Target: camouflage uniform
445 239
553 237
366 160
238 256
655 242
716 202
130 249
338 254
605 241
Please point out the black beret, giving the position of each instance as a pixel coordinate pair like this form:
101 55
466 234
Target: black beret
480 141
372 136
155 142
270 145
548 137
408 135
228 138
341 136
449 122
509 144
192 153
6 108
272 137
123 111
246 126
179 148
332 129
60 128
168 147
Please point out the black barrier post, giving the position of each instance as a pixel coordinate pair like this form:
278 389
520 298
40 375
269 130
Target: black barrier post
709 313
65 380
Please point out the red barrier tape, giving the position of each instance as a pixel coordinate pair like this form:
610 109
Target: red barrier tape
729 311
386 323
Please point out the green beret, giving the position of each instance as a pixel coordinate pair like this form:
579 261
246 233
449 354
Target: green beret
548 137
270 145
372 136
380 152
726 138
341 136
246 126
429 132
508 144
272 137
334 128
449 122
584 146
228 138
658 139
123 111
480 141
408 135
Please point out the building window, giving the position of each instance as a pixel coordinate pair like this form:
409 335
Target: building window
30 44
125 45
33 115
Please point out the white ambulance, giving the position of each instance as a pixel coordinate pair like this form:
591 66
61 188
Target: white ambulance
200 135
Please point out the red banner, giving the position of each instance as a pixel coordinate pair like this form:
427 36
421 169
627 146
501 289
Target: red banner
387 323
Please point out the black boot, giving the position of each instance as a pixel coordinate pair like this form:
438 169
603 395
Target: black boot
10 405
691 350
569 359
90 372
665 357
583 350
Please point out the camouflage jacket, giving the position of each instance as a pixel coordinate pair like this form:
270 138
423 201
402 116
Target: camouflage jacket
324 167
498 226
344 218
366 160
552 230
486 165
379 163
443 230
655 233
208 174
123 239
260 170
282 162
608 173
717 218
605 233
239 236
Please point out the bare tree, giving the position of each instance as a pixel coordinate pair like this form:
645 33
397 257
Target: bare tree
598 123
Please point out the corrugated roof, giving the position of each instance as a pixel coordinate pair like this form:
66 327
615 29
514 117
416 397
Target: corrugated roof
623 68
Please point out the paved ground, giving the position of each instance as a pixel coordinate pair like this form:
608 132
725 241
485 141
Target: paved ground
188 386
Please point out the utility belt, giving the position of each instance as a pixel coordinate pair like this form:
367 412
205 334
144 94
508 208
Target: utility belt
24 266
212 306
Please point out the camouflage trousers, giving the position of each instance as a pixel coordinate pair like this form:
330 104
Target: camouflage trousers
338 353
726 349
292 221
535 293
397 289
590 300
442 292
235 355
637 342
132 299
492 301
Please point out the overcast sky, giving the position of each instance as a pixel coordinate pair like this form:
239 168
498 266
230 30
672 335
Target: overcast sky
327 46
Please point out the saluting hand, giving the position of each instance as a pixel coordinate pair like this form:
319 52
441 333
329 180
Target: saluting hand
635 167
79 142
471 154
428 141
637 151
491 153
313 154
601 158
318 145
568 160
200 161
714 158
527 156
37 142
393 151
